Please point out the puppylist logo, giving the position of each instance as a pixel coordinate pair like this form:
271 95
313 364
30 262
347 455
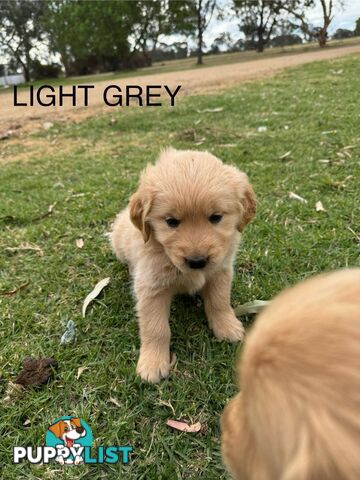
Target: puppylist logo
69 442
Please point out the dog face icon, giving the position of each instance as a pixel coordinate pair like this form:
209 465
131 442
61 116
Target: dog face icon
68 430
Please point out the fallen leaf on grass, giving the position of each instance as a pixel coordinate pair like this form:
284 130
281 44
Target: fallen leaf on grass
46 214
15 290
348 154
26 246
115 402
251 307
354 233
285 155
69 335
183 426
51 208
74 195
319 207
79 242
167 404
211 110
262 129
295 196
80 371
36 371
340 183
13 392
94 293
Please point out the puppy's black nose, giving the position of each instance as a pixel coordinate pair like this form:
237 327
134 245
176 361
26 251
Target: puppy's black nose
79 429
196 262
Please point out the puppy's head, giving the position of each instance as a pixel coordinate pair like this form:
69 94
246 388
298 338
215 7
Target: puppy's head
238 445
193 205
292 419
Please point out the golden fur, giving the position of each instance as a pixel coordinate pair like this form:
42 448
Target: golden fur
189 186
298 414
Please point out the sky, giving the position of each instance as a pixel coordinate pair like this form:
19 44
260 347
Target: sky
343 18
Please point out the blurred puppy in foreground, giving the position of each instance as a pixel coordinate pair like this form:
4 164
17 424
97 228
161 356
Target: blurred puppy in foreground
179 234
298 414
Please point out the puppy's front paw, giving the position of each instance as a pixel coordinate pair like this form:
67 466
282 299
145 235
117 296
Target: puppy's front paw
153 365
228 328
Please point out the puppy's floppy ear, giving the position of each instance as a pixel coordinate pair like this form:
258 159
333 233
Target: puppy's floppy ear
245 197
248 202
57 428
140 206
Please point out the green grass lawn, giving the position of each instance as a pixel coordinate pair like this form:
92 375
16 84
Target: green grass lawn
190 63
88 170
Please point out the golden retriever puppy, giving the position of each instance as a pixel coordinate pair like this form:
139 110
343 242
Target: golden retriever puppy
179 234
298 414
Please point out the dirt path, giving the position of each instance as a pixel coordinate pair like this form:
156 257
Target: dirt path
192 81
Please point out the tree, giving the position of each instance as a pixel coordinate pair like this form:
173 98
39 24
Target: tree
149 21
327 8
297 9
286 39
89 36
192 17
166 51
204 12
357 27
258 20
20 31
222 41
343 33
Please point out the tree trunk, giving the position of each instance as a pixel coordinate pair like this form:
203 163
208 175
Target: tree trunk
260 43
26 73
25 68
200 52
322 38
322 35
200 35
65 61
27 65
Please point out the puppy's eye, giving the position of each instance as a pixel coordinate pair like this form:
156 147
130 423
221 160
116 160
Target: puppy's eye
172 222
215 218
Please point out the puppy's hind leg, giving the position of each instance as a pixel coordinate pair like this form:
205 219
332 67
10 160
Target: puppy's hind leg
220 315
153 312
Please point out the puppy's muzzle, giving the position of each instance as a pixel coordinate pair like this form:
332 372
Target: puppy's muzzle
196 262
